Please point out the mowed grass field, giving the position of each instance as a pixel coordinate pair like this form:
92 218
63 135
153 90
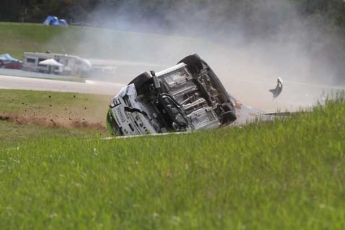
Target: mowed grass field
286 174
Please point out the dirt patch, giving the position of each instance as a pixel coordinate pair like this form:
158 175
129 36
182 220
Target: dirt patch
58 122
54 109
4 118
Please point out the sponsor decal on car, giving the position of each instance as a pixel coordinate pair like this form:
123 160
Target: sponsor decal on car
120 115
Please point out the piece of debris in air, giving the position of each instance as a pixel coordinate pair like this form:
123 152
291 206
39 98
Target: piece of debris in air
279 88
185 97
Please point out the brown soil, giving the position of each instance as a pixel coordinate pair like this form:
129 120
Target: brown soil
89 115
57 122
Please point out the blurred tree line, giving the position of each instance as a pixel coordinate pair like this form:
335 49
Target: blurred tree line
251 12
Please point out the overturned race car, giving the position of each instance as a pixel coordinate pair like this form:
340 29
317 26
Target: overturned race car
186 97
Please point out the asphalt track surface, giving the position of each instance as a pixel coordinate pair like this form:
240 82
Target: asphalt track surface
106 83
252 92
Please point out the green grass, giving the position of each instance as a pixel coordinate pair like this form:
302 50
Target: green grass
11 133
72 79
47 109
287 174
88 42
18 38
36 102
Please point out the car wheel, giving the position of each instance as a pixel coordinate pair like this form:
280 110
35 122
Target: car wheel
229 114
193 62
141 80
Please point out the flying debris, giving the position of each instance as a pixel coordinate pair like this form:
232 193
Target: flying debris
279 88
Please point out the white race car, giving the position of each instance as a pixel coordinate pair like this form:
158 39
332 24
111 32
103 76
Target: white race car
186 97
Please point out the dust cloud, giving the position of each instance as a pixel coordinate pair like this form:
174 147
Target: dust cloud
248 46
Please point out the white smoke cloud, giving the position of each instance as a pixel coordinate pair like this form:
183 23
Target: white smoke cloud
260 41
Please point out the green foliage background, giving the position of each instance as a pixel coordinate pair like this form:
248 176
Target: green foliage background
37 10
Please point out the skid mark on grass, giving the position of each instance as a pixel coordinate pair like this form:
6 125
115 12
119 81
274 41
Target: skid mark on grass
58 122
4 118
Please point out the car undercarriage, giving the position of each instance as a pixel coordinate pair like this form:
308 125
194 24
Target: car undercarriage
186 97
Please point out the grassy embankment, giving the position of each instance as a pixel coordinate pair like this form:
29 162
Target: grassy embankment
287 174
87 42
35 115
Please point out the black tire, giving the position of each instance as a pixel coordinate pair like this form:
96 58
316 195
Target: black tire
228 117
141 80
193 62
229 114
